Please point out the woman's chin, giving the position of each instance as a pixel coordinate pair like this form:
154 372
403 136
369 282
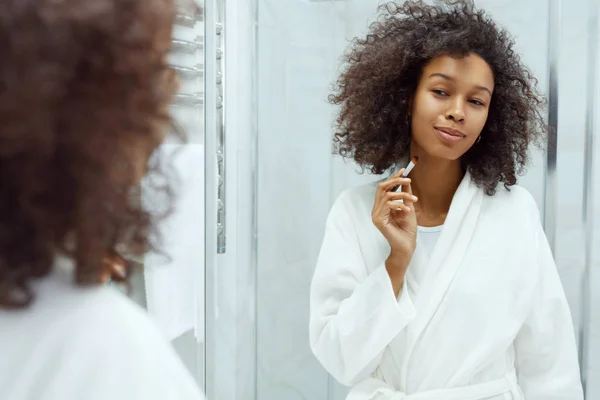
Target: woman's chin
442 153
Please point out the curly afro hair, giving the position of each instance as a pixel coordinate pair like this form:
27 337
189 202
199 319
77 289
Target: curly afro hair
83 85
382 72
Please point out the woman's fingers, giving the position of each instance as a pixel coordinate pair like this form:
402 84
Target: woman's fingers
386 186
400 198
392 184
386 192
398 206
411 199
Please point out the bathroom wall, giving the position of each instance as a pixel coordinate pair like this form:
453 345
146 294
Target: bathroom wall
570 239
298 46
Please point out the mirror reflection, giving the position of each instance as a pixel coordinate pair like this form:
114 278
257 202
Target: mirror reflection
299 199
438 280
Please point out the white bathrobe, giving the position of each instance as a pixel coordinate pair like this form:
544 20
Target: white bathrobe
86 343
482 317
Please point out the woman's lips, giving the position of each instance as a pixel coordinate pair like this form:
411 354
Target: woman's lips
449 135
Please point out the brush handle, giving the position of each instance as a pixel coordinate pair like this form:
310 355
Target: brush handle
409 168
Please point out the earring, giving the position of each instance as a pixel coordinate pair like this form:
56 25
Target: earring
478 139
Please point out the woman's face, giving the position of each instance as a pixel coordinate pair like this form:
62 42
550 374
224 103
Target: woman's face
450 106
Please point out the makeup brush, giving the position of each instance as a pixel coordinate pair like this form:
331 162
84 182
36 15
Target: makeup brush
409 167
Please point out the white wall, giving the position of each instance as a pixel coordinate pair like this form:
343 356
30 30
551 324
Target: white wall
295 68
573 87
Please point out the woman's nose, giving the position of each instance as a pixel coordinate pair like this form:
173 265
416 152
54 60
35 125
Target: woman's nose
456 112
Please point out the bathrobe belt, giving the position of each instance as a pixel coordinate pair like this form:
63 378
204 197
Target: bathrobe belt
375 389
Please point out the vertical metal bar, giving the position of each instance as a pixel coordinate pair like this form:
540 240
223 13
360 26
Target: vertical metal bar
588 191
221 132
211 199
554 31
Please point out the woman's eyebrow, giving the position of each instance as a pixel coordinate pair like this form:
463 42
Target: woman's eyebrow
449 78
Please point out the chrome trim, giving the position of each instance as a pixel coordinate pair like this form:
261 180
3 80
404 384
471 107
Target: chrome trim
550 184
193 100
189 73
220 80
187 20
188 46
588 194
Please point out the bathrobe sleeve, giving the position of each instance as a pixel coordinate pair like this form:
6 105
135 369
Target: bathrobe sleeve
546 352
354 314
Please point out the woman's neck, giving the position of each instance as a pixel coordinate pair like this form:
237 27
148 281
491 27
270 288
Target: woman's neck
434 182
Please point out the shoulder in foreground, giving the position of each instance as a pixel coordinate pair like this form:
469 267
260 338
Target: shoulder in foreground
100 319
114 312
112 328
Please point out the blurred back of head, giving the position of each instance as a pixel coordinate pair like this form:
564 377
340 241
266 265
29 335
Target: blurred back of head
84 90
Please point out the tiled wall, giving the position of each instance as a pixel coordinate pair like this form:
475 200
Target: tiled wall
299 44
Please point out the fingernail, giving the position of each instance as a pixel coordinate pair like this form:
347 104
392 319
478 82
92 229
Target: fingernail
415 198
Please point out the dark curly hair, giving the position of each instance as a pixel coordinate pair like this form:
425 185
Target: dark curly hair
382 72
83 84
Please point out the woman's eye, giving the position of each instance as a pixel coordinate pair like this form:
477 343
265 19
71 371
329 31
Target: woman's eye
440 92
477 102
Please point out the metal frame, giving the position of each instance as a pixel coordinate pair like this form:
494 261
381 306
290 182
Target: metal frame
214 181
219 267
220 123
588 192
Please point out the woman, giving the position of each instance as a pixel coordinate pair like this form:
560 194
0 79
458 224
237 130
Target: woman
85 87
453 292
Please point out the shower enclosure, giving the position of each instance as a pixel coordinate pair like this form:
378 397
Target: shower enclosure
270 178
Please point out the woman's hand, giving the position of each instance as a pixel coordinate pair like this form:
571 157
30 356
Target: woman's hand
396 220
